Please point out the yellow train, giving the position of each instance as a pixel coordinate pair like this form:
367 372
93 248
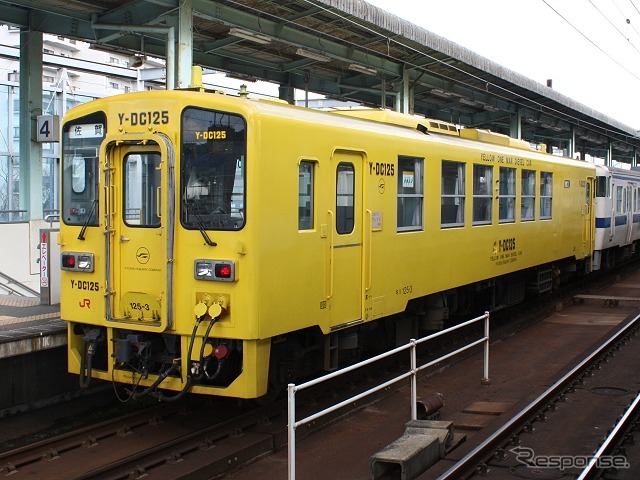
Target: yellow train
226 245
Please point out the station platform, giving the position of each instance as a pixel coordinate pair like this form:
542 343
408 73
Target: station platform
26 326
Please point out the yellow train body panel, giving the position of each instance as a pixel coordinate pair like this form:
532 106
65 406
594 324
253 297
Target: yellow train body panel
314 230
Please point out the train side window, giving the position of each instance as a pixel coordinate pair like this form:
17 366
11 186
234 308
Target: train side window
619 199
345 190
546 194
528 195
482 194
306 182
452 196
602 186
507 195
410 193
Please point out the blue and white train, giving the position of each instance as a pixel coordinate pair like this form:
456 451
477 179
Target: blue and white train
617 215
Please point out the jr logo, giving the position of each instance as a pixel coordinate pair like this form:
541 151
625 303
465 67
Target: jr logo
85 303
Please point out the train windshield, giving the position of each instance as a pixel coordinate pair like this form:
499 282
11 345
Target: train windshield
212 171
81 141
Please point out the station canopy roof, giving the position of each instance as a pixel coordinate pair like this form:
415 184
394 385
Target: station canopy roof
344 49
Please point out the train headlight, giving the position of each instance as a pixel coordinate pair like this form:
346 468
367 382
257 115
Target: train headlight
204 270
77 261
215 270
85 262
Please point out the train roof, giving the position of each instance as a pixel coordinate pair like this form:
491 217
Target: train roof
430 125
383 119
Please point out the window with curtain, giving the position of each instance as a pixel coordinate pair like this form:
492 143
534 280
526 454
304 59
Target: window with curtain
482 194
546 191
452 194
410 193
507 195
528 195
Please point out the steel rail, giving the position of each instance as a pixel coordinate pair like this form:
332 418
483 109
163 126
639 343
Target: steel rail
616 433
497 439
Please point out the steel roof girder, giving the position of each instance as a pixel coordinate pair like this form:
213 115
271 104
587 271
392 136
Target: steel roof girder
284 33
14 15
134 14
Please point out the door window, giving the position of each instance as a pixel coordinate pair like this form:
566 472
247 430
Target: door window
345 183
142 190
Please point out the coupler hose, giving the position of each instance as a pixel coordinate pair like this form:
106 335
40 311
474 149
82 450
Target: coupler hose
155 384
91 339
151 390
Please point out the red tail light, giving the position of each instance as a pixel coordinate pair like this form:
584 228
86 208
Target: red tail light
68 261
223 270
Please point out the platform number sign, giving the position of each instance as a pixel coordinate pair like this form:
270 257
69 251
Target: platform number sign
48 128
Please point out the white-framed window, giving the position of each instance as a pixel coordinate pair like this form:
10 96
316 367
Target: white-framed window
482 194
546 194
507 195
410 193
452 194
528 195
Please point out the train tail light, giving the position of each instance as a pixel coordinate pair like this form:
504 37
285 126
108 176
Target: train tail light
77 261
68 261
215 270
223 271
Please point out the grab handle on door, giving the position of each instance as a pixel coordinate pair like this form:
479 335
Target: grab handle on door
368 235
331 248
158 207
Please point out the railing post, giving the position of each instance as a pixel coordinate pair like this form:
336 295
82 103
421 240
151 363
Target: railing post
414 383
485 380
291 430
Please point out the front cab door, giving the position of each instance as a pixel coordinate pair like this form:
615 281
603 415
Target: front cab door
138 241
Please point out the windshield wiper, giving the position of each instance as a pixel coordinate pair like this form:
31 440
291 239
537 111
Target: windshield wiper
203 232
89 217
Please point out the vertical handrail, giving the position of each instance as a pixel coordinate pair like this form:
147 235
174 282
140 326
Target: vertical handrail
368 234
485 379
414 380
331 249
291 430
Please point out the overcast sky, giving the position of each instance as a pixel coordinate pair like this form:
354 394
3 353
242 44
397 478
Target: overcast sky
587 47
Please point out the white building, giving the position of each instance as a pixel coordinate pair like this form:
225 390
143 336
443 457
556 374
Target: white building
73 73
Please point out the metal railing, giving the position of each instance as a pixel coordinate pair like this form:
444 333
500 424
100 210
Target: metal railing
12 216
14 287
20 216
412 374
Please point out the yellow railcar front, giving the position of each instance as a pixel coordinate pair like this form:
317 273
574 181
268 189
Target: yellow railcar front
144 178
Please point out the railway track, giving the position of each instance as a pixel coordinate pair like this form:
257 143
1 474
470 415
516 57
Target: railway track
130 445
516 449
212 439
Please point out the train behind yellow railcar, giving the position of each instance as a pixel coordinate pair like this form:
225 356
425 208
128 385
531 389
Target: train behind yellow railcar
227 246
